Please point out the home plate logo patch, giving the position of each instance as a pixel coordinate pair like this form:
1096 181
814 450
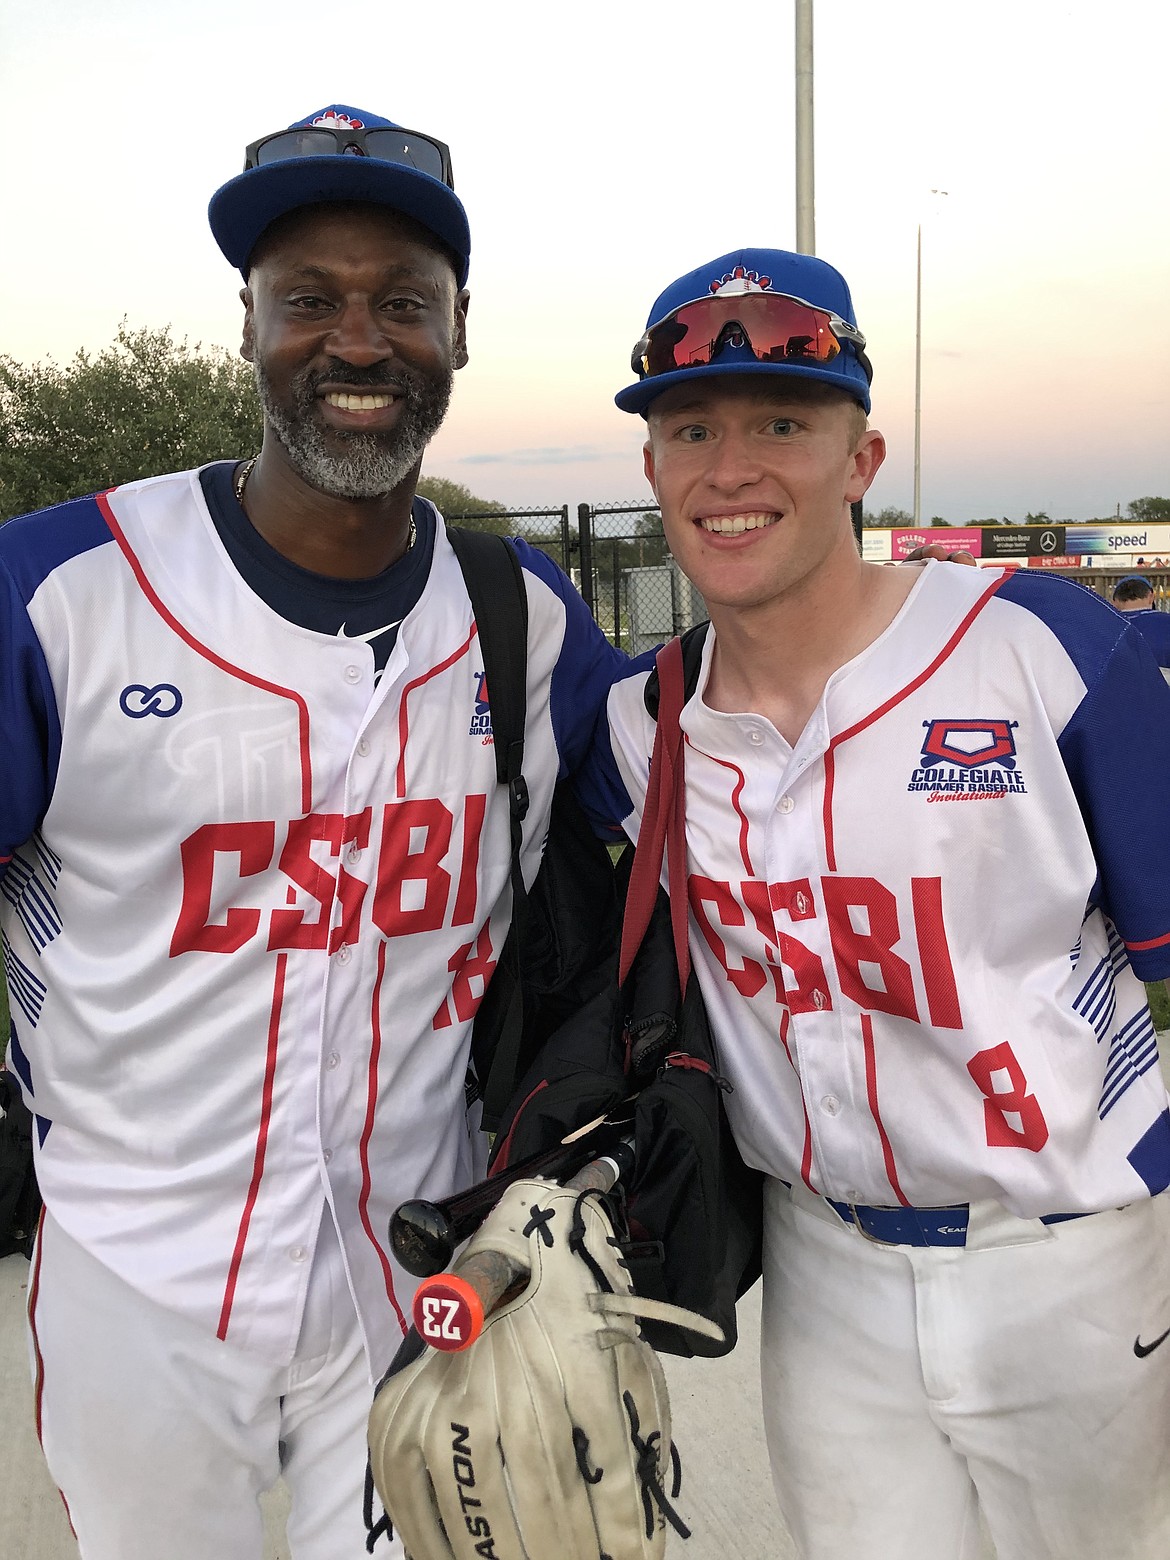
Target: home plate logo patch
968 761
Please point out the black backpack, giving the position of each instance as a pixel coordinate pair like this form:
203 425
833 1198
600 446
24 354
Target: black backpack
20 1200
690 1217
564 933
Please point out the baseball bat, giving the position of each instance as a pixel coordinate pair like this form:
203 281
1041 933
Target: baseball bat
451 1308
426 1235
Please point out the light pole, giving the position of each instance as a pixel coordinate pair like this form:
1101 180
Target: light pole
918 380
806 242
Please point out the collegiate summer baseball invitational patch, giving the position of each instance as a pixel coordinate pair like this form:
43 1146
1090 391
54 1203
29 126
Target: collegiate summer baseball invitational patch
968 761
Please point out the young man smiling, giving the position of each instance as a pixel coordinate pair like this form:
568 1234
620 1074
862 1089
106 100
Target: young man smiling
255 872
921 931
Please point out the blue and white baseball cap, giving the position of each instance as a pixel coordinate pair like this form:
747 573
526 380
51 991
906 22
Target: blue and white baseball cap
341 154
808 332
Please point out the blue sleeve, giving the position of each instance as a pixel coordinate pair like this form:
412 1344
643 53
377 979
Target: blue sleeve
586 668
1116 749
598 783
31 547
29 722
1155 627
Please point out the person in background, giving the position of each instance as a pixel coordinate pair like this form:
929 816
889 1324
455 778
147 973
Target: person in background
1134 595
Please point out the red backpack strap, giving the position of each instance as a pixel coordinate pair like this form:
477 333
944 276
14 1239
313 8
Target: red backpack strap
669 710
663 829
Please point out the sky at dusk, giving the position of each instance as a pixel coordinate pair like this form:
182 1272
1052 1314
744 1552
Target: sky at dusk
602 150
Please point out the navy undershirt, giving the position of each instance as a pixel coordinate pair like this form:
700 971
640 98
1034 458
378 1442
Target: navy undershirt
369 610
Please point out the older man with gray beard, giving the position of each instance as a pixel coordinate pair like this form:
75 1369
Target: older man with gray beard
254 875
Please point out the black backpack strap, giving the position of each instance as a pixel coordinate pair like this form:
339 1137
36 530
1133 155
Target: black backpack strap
692 651
499 601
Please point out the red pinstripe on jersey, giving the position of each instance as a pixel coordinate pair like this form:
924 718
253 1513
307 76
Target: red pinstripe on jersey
34 1291
367 1131
188 638
785 1017
872 1096
736 793
229 1293
884 709
806 1152
404 707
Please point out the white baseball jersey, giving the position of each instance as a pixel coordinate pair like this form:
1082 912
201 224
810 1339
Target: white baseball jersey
252 898
921 933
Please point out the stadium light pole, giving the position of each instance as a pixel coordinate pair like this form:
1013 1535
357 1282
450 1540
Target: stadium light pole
918 380
806 242
918 387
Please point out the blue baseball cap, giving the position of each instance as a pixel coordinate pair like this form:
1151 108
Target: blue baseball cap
340 154
745 273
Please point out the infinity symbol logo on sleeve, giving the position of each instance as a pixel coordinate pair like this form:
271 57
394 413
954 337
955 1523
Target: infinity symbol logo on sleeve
138 701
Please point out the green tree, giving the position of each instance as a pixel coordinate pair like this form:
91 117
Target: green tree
143 405
459 505
1040 518
453 499
894 519
1149 511
937 520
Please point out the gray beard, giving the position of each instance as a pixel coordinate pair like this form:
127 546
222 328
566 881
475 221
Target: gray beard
373 463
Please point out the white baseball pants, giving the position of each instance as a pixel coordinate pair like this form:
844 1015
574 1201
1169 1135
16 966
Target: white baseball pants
161 1438
908 1390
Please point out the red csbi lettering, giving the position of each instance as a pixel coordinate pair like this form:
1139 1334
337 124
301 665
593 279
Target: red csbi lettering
749 977
763 900
412 886
251 844
864 929
292 928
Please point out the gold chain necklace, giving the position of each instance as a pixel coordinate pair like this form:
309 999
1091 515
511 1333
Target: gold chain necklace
240 482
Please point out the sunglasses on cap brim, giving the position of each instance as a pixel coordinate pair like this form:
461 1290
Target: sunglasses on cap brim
775 327
409 148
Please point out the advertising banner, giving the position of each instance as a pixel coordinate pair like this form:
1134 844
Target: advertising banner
1024 541
903 543
1145 541
1049 546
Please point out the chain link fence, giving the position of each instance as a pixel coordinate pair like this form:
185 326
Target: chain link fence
616 557
547 529
632 585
